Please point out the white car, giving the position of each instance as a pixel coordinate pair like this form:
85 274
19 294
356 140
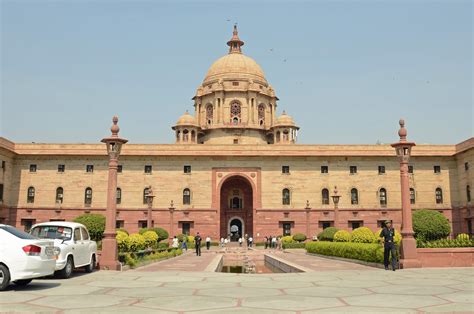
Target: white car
23 257
73 245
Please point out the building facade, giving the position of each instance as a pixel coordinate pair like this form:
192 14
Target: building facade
236 168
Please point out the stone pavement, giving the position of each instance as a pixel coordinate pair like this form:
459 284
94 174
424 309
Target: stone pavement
336 291
186 262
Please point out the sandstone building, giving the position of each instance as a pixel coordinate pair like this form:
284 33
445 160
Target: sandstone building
235 163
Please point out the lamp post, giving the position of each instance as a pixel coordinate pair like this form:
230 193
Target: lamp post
308 218
335 199
109 243
408 253
149 200
171 209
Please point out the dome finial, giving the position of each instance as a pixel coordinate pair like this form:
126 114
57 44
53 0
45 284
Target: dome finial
235 43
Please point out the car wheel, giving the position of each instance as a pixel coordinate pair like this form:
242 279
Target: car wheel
90 268
4 277
66 272
22 282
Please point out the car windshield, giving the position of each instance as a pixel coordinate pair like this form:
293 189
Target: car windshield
18 233
52 232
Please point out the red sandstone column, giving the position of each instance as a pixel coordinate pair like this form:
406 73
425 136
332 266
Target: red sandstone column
408 252
335 199
149 201
109 258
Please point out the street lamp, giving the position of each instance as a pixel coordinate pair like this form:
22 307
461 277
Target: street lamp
335 198
408 253
149 200
109 243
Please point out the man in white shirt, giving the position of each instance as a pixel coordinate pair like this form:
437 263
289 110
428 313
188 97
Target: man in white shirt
208 243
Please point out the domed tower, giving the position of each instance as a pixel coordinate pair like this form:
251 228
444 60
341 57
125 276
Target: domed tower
186 129
285 131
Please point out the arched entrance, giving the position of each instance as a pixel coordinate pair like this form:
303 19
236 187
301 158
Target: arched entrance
236 208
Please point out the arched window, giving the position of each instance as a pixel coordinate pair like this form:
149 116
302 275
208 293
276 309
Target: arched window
59 195
186 197
412 196
145 194
185 135
261 114
383 197
286 135
30 196
285 194
468 193
325 196
209 114
193 136
88 196
278 134
354 197
118 196
439 196
177 135
235 113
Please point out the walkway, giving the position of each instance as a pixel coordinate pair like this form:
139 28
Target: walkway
186 262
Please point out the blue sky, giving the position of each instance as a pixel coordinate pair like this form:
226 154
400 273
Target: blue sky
352 69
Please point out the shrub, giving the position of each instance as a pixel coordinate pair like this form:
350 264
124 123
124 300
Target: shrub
397 238
136 242
294 245
122 241
122 230
445 243
160 232
95 223
328 234
180 237
191 239
162 246
368 252
299 237
287 239
463 236
342 236
151 238
130 260
363 235
430 225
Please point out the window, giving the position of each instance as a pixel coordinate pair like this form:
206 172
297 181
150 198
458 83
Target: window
187 169
325 196
186 196
186 228
356 224
3 165
236 202
286 228
30 197
119 168
235 112
61 168
354 197
381 169
383 197
439 196
326 224
88 197
33 168
466 166
285 169
209 114
119 224
261 114
412 196
437 169
85 235
324 169
468 193
27 224
285 194
410 169
142 224
59 195
148 169
353 169
118 196
1 192
235 83
77 234
145 194
236 141
90 168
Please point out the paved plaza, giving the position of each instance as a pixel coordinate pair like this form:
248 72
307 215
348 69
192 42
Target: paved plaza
181 285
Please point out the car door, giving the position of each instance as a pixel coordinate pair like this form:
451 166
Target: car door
87 245
79 253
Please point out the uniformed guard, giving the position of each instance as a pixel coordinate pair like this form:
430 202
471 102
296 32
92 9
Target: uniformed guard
388 233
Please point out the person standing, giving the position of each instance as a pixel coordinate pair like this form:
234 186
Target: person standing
222 242
184 246
197 243
175 243
240 242
208 242
388 233
265 240
250 241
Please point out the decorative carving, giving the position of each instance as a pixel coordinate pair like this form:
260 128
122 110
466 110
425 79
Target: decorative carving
219 175
252 175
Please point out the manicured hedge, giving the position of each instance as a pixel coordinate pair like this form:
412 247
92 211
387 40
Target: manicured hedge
430 225
287 239
328 234
160 232
445 243
299 237
342 236
363 235
368 252
294 245
95 224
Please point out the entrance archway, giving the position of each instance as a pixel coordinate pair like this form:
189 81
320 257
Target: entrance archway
236 207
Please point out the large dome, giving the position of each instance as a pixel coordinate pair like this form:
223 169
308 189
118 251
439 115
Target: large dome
235 66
